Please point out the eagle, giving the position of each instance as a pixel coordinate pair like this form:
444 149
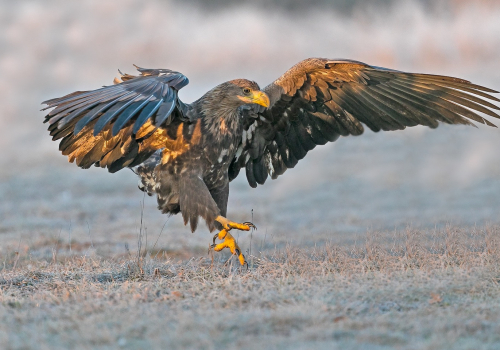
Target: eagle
187 154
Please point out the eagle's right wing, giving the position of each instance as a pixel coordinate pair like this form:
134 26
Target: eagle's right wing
119 125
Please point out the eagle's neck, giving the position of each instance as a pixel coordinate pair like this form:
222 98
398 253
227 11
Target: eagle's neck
222 127
221 117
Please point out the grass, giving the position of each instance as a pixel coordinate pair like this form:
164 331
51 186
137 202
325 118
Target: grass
413 289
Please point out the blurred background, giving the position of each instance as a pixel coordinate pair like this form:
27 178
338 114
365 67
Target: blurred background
387 181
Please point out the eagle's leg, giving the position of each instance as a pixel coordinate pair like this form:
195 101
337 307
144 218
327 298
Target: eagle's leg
229 241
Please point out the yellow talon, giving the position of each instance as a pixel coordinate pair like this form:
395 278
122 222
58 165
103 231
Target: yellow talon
229 241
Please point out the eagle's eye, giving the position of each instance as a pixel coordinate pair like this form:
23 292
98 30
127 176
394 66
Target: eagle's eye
246 90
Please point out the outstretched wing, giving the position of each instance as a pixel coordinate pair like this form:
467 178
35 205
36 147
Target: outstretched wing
119 125
318 100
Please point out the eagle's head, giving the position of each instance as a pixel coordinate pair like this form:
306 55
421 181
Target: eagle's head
248 92
238 92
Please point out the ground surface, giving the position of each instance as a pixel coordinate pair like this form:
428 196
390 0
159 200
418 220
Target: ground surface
413 289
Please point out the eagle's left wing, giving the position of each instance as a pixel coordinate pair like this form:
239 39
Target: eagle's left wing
120 125
318 100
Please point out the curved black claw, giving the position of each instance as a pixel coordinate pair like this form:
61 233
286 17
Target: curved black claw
215 237
249 224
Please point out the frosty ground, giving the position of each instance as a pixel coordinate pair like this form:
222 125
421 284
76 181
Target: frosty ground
414 289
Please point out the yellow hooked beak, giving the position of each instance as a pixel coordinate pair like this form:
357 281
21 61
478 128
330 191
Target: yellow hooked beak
257 97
